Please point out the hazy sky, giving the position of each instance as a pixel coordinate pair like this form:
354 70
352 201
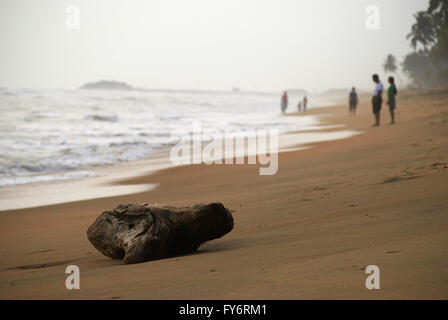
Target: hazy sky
266 45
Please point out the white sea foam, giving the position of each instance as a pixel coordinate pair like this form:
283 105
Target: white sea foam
5 181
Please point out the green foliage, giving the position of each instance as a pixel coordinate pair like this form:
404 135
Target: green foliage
419 67
439 10
423 31
390 64
428 64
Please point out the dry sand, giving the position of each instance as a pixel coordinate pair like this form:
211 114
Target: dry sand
309 231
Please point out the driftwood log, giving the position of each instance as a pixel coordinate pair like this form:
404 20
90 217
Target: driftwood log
143 232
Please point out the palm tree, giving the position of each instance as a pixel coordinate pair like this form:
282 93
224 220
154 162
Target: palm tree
439 9
422 31
428 64
439 52
390 64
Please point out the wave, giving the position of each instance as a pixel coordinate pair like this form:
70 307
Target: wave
46 178
127 143
46 133
96 117
46 168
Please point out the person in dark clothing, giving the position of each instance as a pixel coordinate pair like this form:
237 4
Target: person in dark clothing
284 103
377 99
352 101
305 103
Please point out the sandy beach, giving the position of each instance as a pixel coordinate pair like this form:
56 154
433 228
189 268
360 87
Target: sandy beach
308 232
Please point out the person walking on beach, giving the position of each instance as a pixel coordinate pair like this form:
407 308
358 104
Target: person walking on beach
299 106
391 93
352 101
284 101
305 101
377 99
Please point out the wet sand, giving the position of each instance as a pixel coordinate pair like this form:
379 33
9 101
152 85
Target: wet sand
379 198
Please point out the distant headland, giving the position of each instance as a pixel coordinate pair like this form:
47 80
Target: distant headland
107 85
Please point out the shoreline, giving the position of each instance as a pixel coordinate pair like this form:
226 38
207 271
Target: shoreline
308 232
106 181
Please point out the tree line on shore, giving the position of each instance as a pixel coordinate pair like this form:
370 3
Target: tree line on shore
427 64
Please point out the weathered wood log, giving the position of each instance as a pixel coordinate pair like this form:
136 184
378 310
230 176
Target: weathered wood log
143 232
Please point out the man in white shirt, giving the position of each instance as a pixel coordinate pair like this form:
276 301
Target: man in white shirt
377 99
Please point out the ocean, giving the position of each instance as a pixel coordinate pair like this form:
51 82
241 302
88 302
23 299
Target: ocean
48 135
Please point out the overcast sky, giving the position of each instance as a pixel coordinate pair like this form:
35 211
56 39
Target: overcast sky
266 45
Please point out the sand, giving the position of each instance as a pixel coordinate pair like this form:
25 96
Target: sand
379 198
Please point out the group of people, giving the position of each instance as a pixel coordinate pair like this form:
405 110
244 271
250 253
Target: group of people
303 103
377 99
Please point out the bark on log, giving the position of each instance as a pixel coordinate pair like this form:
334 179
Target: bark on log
143 232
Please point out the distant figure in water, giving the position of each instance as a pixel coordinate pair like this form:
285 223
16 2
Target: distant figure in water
352 101
391 93
305 101
284 101
299 106
377 99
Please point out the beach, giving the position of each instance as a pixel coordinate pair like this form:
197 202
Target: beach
307 232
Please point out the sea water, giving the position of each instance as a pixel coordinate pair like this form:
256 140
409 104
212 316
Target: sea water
48 135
